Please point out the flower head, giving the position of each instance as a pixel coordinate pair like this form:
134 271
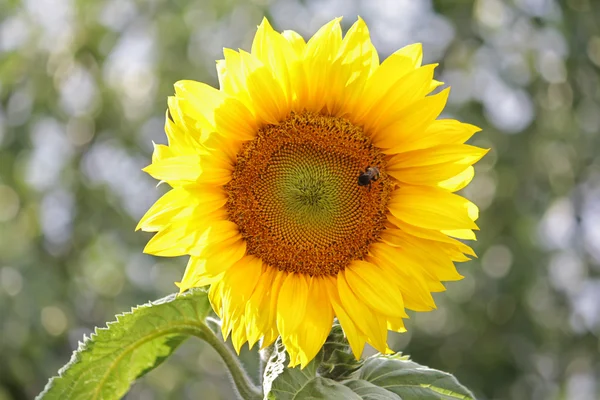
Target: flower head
315 183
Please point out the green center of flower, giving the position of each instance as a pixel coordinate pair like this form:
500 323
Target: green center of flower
296 199
306 194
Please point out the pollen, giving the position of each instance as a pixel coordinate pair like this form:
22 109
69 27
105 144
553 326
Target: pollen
296 199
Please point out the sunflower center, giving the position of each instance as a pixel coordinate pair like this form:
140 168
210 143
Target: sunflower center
296 198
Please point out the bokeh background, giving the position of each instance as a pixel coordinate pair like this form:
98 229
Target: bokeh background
83 88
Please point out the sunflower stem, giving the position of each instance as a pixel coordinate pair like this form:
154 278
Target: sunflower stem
243 384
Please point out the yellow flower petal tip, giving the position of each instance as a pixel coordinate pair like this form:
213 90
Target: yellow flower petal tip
315 183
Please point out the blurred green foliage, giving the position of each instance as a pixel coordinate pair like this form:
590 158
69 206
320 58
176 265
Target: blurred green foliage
83 88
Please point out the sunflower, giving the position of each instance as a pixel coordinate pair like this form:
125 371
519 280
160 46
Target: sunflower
315 183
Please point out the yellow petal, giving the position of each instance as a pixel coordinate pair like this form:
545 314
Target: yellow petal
442 131
291 304
190 231
214 110
238 337
466 234
370 285
414 52
269 337
165 209
184 122
433 165
239 282
223 148
295 40
414 120
356 60
405 273
382 323
266 92
175 170
181 142
431 208
195 275
222 255
311 334
325 42
208 197
258 318
315 90
355 337
214 170
162 152
452 153
387 74
215 297
275 52
428 255
434 85
270 311
395 67
362 315
172 241
430 234
198 101
232 77
459 181
357 50
385 105
395 324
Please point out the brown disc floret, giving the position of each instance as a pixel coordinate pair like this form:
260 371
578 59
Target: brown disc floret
296 199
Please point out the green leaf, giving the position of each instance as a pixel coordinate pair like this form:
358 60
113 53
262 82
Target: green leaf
111 359
335 361
325 389
368 391
280 382
335 374
410 380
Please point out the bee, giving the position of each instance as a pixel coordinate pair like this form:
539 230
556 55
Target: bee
371 174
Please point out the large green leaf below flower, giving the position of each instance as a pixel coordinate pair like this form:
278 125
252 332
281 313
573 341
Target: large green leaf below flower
111 359
407 379
379 378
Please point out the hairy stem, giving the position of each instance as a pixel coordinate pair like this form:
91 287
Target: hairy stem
243 384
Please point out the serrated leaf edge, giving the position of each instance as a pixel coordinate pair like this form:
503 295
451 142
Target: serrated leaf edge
84 345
